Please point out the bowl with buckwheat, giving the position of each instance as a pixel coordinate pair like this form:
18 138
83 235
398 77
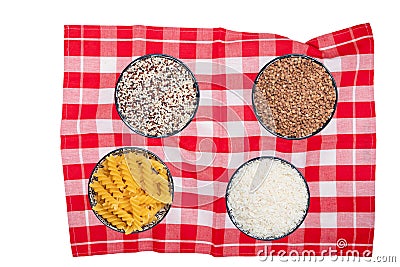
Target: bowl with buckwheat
294 96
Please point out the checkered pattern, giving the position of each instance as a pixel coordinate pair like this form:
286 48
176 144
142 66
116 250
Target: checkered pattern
338 163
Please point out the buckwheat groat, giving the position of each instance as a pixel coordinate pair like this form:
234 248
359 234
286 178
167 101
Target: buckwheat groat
294 97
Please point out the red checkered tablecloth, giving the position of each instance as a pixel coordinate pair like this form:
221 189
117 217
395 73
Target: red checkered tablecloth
338 163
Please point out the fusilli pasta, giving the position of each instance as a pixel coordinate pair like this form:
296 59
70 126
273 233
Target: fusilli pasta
130 190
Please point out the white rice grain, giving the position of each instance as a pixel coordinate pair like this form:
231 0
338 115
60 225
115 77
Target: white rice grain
276 208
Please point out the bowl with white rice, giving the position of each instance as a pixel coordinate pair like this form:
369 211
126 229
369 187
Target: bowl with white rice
279 204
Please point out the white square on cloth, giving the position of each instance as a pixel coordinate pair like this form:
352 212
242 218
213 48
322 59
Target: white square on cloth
328 219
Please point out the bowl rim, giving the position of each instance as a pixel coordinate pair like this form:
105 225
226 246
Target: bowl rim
228 187
255 86
123 150
195 84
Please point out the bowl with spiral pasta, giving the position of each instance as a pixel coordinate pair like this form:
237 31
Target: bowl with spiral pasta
130 190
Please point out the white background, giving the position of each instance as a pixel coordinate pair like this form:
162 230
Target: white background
34 227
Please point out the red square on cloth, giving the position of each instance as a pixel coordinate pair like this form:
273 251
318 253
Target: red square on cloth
338 163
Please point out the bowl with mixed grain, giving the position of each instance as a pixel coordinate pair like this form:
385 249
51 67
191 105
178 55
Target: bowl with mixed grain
157 95
294 96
